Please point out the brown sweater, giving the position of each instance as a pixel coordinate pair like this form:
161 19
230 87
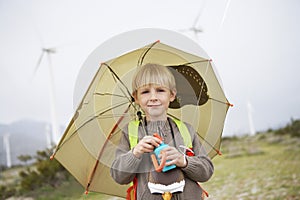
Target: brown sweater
126 166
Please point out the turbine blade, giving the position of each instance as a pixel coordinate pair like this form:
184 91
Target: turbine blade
38 63
199 14
225 14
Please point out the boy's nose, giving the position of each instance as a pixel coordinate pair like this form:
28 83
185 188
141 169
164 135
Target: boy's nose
153 95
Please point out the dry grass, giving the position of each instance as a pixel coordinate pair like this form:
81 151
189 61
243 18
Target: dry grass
258 167
263 170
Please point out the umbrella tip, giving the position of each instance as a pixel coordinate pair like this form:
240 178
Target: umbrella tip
52 156
229 104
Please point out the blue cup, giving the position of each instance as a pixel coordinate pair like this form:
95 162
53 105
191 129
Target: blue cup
157 151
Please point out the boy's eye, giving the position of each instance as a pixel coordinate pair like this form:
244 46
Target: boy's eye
160 90
144 91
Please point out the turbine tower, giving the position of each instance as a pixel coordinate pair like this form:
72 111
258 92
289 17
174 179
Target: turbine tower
6 145
250 118
54 125
48 136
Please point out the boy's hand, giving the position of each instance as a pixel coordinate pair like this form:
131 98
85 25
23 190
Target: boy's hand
173 156
146 145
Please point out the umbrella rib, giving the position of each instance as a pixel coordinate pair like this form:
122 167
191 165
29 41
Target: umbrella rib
109 116
212 146
91 177
190 63
209 60
88 121
202 87
227 103
197 61
103 112
202 84
215 149
109 94
130 98
141 59
116 76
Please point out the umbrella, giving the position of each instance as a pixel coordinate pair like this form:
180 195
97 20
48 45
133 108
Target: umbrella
88 145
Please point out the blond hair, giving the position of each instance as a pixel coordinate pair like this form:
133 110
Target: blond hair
153 74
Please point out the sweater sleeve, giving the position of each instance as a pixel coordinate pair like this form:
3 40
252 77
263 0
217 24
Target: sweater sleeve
199 167
125 165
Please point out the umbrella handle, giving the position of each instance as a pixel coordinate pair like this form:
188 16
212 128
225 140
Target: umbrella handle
157 136
157 167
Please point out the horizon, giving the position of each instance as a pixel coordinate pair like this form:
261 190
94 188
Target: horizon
255 57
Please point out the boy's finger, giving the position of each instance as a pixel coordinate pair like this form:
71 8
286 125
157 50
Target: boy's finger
148 146
155 142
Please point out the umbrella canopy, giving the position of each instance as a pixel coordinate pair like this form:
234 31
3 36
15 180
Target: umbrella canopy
88 145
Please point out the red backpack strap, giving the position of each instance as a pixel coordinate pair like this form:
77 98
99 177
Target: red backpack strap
204 192
131 191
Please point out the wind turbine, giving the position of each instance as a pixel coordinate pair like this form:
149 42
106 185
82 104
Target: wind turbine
195 28
48 136
6 145
48 52
225 14
250 118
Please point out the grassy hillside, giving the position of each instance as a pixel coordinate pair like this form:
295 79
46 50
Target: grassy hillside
264 166
261 167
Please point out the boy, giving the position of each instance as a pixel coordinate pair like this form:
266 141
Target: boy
153 89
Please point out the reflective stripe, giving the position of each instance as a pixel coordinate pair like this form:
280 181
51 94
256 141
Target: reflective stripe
184 133
133 127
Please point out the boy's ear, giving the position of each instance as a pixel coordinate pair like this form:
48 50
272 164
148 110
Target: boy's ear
173 95
135 97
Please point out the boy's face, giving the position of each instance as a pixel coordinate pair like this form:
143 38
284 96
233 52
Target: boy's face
154 101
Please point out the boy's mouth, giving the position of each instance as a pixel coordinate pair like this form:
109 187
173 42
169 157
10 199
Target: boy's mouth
154 105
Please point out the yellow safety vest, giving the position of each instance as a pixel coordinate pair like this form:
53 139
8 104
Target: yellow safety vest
133 133
133 140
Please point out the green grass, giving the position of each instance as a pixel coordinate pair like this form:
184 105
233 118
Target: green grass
272 172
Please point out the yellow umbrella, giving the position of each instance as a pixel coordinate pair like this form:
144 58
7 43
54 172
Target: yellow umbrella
88 145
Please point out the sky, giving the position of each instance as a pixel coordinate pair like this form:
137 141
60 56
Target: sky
254 45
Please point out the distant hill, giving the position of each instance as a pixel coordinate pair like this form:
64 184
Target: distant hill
25 137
